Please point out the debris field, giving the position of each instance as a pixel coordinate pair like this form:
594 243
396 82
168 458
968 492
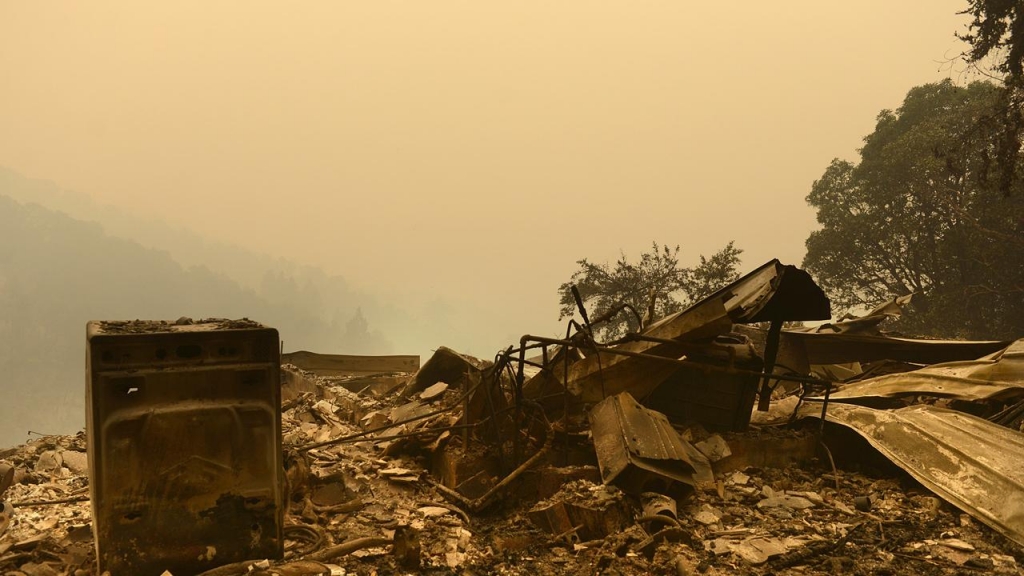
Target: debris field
718 440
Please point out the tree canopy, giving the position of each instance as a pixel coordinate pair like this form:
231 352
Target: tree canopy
997 30
997 27
654 287
922 213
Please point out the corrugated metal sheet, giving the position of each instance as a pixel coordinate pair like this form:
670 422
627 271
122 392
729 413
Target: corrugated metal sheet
974 464
997 376
638 449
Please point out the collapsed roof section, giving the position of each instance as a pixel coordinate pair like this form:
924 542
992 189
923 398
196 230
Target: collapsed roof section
972 463
773 292
992 377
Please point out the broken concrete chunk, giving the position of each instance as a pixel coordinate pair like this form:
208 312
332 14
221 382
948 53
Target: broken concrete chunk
433 392
433 511
374 419
779 412
1004 562
708 515
957 544
739 478
49 461
757 551
408 411
76 462
812 496
40 569
714 447
786 501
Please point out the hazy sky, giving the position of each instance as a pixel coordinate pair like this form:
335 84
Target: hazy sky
468 150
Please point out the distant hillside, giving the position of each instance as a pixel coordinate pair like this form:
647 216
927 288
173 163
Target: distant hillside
406 319
185 247
56 273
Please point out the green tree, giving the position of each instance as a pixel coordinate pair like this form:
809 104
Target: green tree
920 213
997 29
654 287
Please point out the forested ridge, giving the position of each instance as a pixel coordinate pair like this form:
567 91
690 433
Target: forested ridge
56 273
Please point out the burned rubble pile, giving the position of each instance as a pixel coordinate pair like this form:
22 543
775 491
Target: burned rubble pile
714 441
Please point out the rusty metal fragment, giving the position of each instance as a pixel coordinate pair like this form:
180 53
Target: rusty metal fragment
974 464
183 427
639 451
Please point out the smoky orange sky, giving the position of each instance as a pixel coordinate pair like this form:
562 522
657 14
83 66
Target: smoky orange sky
462 151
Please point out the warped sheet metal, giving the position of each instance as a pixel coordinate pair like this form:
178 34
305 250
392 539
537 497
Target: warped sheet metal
994 377
832 348
601 375
445 365
866 324
774 291
974 464
639 451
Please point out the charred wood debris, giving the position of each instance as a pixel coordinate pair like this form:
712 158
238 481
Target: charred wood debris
718 440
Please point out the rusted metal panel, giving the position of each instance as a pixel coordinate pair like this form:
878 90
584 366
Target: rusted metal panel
639 451
997 376
348 365
184 442
974 464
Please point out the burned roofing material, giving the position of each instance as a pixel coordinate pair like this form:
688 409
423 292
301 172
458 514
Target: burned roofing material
976 465
774 293
639 451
